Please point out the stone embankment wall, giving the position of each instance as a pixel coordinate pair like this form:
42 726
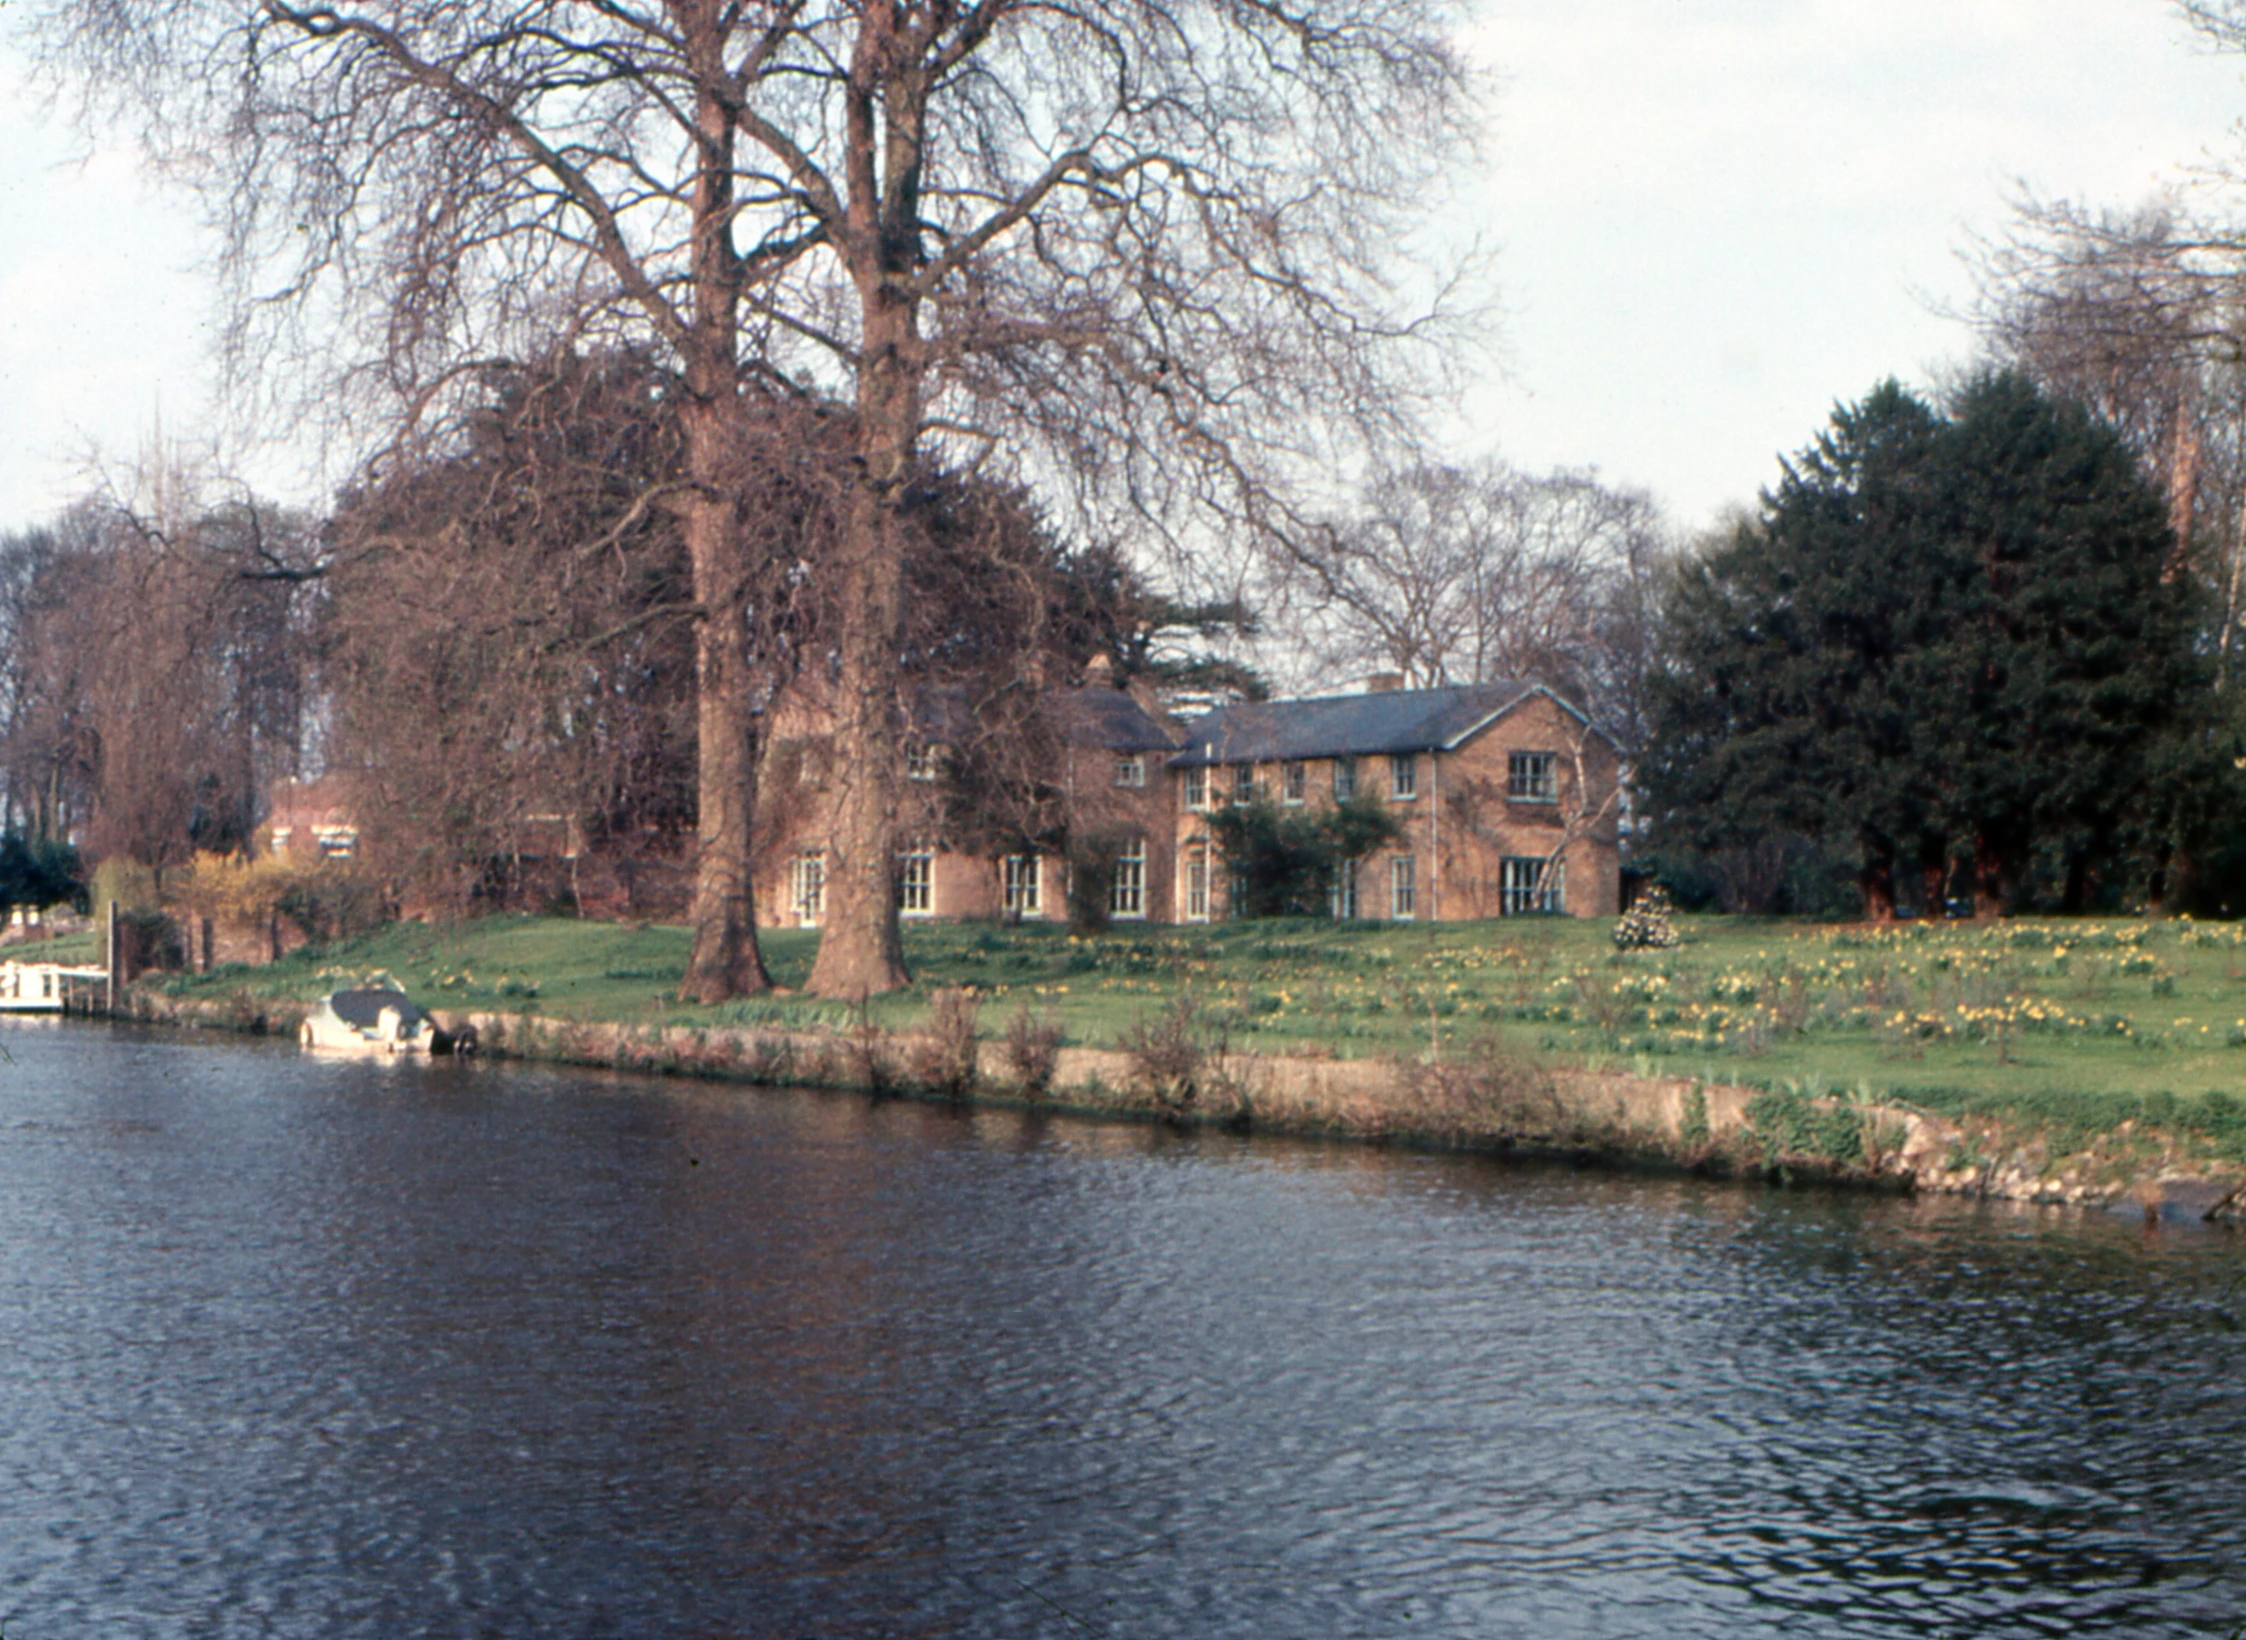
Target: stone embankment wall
1507 1108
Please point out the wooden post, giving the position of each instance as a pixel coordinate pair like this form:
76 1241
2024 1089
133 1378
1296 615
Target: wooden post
116 961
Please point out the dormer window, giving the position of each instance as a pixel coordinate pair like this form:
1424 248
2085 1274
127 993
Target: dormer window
1130 769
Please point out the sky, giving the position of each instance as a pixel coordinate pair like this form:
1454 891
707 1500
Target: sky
1713 220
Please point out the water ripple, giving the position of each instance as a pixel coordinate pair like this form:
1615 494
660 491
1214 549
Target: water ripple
299 1348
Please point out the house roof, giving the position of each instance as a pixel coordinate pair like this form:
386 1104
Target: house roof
1396 720
1099 716
1091 716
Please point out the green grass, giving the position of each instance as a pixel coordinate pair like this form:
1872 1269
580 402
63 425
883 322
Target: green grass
79 950
2076 1026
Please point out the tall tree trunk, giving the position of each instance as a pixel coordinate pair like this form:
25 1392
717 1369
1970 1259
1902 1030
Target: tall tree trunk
1992 881
1878 880
726 960
861 952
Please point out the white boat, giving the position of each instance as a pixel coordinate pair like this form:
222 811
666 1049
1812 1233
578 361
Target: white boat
368 1020
40 987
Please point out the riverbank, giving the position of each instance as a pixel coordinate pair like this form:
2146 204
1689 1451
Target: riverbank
1732 1054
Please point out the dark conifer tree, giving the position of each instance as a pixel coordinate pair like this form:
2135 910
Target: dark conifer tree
1946 644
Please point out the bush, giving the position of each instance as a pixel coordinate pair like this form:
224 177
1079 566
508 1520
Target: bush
1091 880
946 1060
1284 862
1171 1054
1646 926
1033 1050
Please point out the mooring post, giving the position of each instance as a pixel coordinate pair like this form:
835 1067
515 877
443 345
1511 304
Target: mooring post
115 964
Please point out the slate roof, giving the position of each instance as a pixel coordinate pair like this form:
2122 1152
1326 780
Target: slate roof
1396 720
1099 716
1091 716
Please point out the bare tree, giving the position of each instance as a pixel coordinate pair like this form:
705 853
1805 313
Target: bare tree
1461 575
156 673
2136 316
1142 243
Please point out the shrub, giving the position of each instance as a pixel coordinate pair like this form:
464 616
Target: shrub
1285 861
1171 1055
1646 925
946 1058
1033 1049
1491 1096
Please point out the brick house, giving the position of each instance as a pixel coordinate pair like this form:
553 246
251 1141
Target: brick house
1508 798
1507 795
1110 780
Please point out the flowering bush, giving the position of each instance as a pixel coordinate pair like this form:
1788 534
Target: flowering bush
1646 926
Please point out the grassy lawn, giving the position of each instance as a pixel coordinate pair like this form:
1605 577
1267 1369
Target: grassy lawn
2075 1024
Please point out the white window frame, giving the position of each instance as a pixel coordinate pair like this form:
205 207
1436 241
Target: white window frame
1403 887
916 881
1196 785
1130 769
1197 886
1023 882
1516 887
807 889
1344 896
1294 781
1345 779
1532 777
1243 783
1403 777
920 763
1126 895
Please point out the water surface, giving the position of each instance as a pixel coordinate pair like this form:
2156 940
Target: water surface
293 1347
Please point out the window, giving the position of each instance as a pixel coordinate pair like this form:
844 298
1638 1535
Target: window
336 842
1126 897
1530 778
1517 895
1130 769
807 888
1345 779
1244 783
1022 884
920 763
1345 892
1197 788
1403 887
916 881
1197 887
1294 781
1403 776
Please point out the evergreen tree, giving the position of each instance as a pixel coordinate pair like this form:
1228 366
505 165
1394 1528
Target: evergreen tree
1946 642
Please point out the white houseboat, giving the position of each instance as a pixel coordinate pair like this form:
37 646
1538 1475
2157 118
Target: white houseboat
41 987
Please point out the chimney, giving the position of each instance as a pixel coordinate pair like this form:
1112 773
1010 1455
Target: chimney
1099 672
1384 683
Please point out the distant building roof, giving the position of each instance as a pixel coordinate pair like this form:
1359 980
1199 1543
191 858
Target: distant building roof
1395 720
1099 716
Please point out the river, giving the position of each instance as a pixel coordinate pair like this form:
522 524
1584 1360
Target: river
295 1347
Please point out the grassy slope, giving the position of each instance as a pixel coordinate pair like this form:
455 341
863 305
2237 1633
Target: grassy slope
2075 1024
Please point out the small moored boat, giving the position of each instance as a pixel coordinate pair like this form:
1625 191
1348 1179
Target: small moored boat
368 1020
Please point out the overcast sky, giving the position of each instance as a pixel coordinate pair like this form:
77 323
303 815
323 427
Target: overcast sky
1713 219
